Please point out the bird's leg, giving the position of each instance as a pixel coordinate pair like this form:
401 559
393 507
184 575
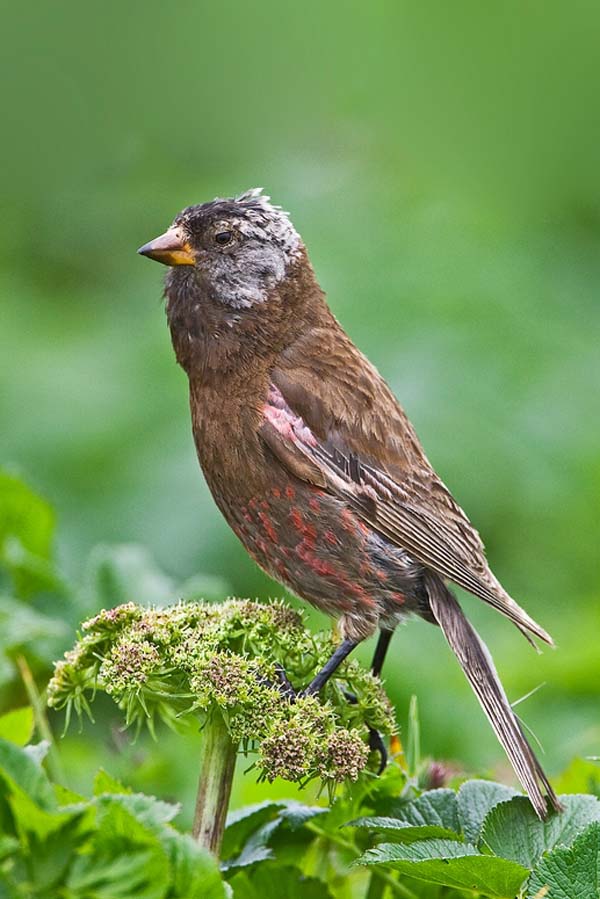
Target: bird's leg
330 666
285 685
375 739
380 651
320 678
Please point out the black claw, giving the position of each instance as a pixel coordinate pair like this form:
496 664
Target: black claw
287 689
377 745
284 684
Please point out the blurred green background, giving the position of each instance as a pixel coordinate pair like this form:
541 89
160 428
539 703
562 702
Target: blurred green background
441 162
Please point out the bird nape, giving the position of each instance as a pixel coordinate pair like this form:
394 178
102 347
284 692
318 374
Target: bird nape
312 460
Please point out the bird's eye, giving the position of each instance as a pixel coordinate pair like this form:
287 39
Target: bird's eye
223 237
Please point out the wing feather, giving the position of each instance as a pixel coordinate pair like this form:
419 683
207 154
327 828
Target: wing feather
350 435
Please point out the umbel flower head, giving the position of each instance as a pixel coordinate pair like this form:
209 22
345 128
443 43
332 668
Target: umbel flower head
193 660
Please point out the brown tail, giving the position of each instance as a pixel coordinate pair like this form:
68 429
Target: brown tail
477 664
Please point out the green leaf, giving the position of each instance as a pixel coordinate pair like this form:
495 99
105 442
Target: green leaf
126 859
29 794
17 726
26 523
569 872
452 864
513 830
401 832
50 855
256 848
106 783
475 799
194 871
295 814
151 812
434 807
65 796
132 873
20 772
271 879
243 822
249 828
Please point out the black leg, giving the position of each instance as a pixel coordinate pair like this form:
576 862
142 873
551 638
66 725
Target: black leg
380 651
285 686
333 663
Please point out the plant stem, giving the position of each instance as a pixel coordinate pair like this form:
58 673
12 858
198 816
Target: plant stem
39 716
217 764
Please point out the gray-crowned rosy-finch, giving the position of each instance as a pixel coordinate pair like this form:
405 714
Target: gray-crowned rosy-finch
310 457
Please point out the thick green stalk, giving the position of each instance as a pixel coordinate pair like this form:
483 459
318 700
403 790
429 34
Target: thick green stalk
217 764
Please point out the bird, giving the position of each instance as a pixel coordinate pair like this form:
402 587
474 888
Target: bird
312 460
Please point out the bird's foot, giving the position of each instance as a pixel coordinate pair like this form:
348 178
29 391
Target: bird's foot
286 688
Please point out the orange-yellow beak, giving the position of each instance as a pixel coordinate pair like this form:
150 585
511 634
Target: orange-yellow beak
171 248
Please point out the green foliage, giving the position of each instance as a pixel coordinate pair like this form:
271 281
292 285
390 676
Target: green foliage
493 852
493 846
39 607
567 872
26 534
381 837
114 846
191 659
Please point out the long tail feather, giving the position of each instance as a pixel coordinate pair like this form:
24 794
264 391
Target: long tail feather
477 664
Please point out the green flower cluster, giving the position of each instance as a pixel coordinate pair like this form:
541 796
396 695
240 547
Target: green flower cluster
187 660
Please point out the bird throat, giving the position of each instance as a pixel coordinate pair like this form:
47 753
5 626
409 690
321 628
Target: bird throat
212 339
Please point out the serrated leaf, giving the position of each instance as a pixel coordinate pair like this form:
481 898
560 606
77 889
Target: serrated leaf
295 814
475 799
17 726
194 871
125 860
434 807
513 830
569 872
20 771
65 796
255 848
401 832
48 858
106 783
452 864
24 785
152 813
131 874
243 822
